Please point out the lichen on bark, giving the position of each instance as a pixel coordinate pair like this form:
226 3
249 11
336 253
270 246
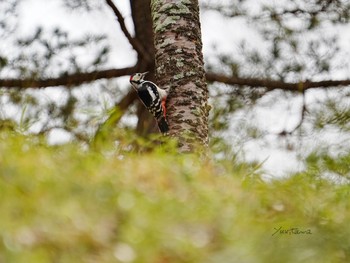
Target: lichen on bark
180 67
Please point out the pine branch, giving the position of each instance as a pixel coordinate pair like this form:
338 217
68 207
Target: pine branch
133 41
275 84
80 78
67 80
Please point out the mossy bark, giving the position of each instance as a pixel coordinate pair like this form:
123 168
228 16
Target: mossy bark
180 67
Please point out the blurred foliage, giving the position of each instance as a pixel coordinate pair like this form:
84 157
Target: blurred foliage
65 204
50 53
83 5
335 167
55 53
288 41
8 18
295 40
333 113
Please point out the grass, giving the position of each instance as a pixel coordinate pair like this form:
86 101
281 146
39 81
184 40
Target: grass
62 204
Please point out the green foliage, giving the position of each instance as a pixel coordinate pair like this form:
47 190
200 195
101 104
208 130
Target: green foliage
47 53
8 18
323 163
63 204
334 112
81 5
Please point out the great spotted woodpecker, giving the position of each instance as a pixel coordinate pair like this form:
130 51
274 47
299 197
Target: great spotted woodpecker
152 97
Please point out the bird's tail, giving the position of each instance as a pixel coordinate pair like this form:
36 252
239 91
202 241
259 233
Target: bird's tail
163 125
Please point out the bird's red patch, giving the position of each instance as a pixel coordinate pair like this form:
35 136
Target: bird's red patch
164 108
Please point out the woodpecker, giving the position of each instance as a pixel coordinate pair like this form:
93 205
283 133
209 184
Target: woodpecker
152 97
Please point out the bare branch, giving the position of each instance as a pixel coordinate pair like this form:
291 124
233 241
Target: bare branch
301 121
67 80
275 84
126 101
80 78
133 41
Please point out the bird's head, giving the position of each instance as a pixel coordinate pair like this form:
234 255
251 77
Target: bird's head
137 78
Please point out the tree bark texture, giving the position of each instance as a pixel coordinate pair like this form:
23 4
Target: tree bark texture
180 68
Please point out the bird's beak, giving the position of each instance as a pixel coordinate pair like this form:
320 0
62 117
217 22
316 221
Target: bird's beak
144 74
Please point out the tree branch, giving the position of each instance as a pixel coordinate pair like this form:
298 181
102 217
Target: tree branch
276 84
80 78
133 41
67 80
301 121
126 101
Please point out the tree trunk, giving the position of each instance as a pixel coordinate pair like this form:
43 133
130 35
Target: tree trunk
180 67
141 14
